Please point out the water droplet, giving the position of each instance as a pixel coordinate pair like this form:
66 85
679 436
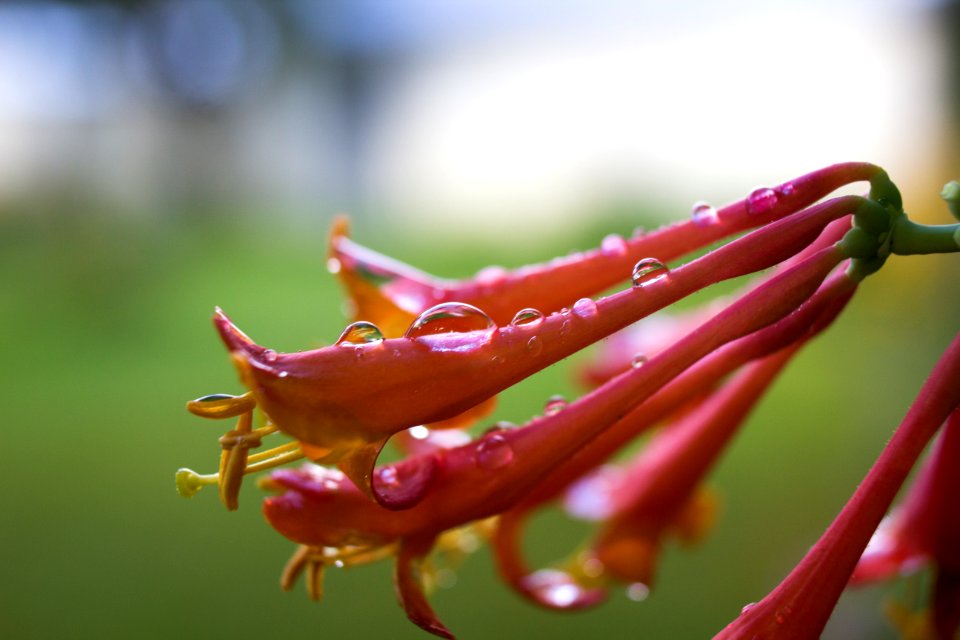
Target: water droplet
565 329
761 201
419 432
787 189
638 592
502 425
360 333
565 311
748 606
555 587
490 275
333 266
703 214
555 404
451 318
648 271
585 308
527 318
638 360
270 355
283 374
613 245
535 345
387 476
339 564
494 452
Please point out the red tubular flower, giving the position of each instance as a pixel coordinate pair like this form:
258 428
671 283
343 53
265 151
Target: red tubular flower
652 496
322 509
391 294
800 606
925 528
344 401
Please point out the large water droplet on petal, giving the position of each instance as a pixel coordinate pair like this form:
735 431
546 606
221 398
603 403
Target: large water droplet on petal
585 308
761 201
555 404
535 345
453 326
648 271
703 214
494 452
360 333
638 360
613 245
527 318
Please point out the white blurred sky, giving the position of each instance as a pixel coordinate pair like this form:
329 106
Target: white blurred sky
502 114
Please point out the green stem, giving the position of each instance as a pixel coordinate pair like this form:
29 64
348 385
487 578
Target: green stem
910 238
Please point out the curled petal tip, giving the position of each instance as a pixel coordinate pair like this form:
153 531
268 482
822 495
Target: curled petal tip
233 338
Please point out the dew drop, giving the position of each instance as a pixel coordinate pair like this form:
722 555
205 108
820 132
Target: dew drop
787 189
638 360
339 564
503 425
360 333
283 374
761 201
703 214
585 308
555 587
565 311
419 432
648 271
490 275
494 452
527 318
535 345
388 476
613 245
748 606
555 404
270 355
450 318
638 592
333 266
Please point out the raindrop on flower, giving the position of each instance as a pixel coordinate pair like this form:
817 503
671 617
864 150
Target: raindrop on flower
333 266
388 476
648 271
761 201
585 308
703 214
535 345
555 404
527 318
494 452
270 355
638 360
787 189
748 606
449 322
638 592
360 333
555 587
419 432
613 245
339 564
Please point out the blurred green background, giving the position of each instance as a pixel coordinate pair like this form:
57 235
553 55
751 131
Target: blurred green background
107 291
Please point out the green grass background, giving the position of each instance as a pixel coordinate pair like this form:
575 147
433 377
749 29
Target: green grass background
106 332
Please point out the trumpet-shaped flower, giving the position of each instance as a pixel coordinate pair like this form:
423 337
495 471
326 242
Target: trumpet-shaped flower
391 294
925 529
344 401
322 509
800 606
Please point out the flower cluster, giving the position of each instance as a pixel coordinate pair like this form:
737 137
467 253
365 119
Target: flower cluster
425 358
